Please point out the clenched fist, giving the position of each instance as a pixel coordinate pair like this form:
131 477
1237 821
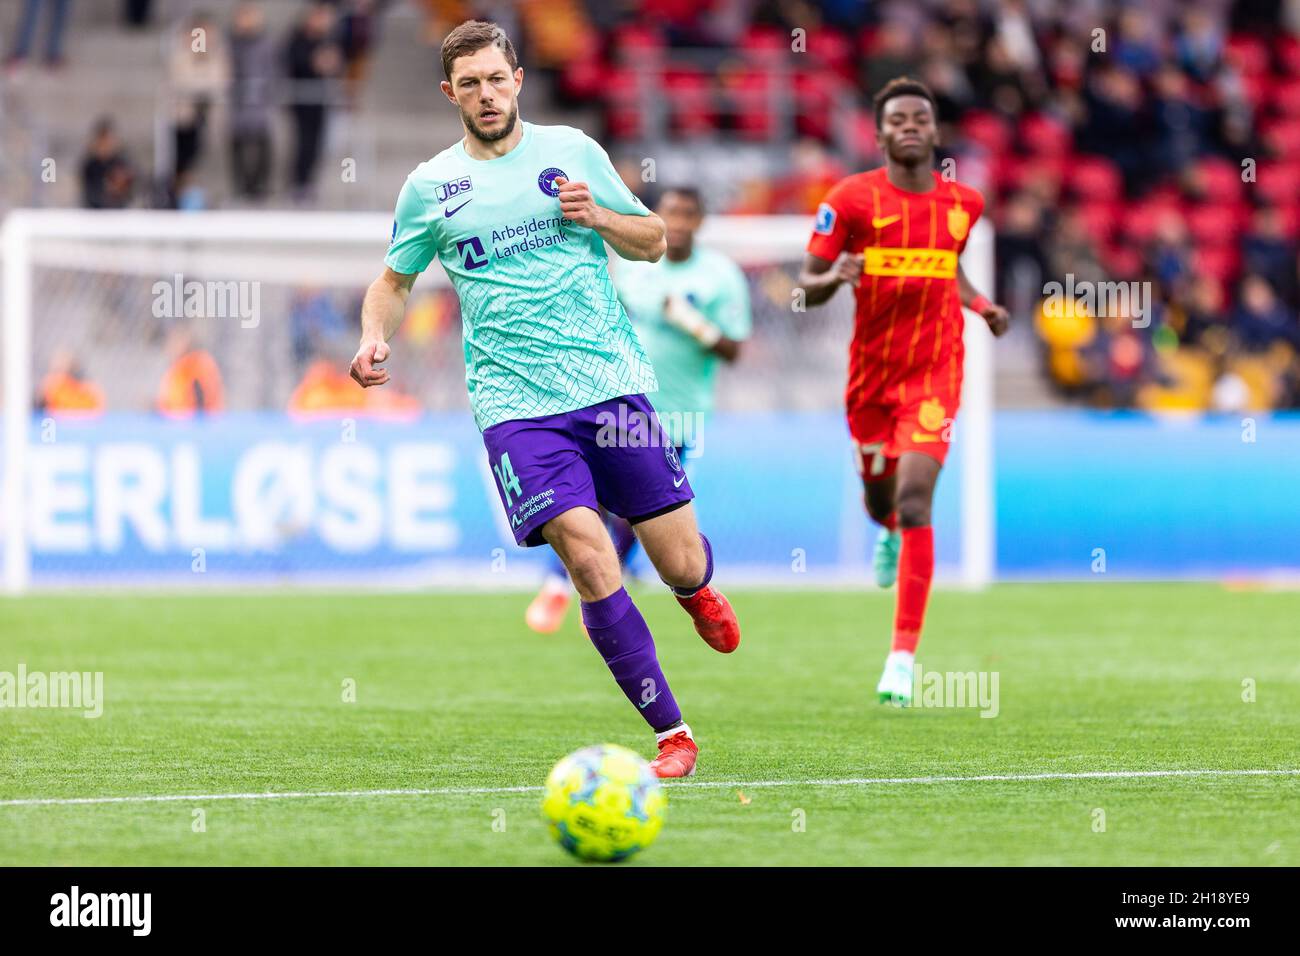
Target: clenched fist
578 205
365 368
847 267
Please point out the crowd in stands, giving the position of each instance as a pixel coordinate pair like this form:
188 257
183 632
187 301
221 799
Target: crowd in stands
1155 143
318 67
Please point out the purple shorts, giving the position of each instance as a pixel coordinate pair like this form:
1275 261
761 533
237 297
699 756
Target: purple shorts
613 454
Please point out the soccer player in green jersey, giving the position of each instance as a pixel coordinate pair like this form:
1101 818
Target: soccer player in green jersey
519 216
691 312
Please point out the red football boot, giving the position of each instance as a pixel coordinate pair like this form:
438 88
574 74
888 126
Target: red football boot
715 621
546 613
676 756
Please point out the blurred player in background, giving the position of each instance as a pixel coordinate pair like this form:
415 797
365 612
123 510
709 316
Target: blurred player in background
894 235
691 311
519 215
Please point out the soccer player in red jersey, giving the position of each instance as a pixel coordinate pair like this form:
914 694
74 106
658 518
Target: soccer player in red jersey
894 235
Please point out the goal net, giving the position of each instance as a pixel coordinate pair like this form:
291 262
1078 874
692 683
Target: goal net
175 412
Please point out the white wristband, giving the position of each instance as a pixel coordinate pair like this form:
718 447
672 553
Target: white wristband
681 314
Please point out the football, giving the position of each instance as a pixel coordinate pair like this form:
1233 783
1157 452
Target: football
604 803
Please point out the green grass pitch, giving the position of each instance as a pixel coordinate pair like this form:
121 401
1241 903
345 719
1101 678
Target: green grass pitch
244 693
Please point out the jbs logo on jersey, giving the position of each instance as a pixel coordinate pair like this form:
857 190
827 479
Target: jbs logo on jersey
923 263
451 188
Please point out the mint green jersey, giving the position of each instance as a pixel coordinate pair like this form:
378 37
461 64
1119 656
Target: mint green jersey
715 286
543 329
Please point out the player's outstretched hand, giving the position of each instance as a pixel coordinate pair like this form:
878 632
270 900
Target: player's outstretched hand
577 203
997 317
365 368
848 268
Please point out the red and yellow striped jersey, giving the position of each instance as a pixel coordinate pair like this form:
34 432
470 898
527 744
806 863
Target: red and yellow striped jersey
907 338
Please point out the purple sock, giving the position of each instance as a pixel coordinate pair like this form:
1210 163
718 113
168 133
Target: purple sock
708 571
619 632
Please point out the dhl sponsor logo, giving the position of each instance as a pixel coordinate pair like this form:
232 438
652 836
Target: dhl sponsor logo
925 263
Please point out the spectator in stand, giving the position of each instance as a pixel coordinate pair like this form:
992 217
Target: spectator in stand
1138 44
1115 125
65 390
1170 256
326 388
315 320
1266 251
1205 318
1199 46
199 74
192 384
252 60
25 34
894 55
1261 319
812 173
107 178
357 26
1182 126
312 61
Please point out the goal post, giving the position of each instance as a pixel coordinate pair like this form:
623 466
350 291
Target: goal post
83 277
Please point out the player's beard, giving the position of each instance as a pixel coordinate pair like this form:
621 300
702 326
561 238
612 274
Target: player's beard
506 128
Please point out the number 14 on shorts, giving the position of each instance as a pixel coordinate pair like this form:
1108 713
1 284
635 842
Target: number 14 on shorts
507 478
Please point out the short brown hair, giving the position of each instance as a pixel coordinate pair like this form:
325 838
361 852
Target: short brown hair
900 86
472 36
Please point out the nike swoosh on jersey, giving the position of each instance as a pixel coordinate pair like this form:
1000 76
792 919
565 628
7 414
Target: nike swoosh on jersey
451 212
677 482
880 222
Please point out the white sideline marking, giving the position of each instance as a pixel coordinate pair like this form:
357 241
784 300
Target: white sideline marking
686 784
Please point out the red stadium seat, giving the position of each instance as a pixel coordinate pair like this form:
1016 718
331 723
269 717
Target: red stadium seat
1123 261
1100 219
1285 97
988 130
1018 172
1288 54
1141 220
750 92
639 44
1221 262
1282 137
1044 135
1215 223
831 49
814 96
764 44
1278 182
1248 53
1290 216
1256 89
1094 177
691 101
1220 179
623 114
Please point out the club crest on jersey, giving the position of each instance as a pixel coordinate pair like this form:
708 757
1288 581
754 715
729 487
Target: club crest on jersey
930 415
825 223
958 223
546 180
670 455
453 187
